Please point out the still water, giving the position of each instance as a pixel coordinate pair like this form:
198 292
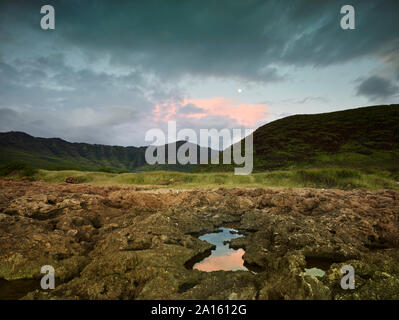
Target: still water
223 257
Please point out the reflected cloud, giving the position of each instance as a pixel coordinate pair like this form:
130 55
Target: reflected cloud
231 261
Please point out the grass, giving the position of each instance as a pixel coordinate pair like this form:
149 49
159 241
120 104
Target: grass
316 178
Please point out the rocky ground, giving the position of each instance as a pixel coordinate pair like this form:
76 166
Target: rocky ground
125 242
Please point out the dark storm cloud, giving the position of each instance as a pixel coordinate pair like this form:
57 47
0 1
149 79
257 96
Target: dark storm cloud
375 88
39 81
225 38
230 38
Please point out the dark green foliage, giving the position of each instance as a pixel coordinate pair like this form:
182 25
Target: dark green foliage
108 170
19 169
61 168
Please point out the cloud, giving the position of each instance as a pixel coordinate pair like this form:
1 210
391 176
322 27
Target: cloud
85 106
7 118
199 109
219 106
226 38
310 99
377 88
45 97
191 109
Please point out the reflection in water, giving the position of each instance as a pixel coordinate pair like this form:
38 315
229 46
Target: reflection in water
223 257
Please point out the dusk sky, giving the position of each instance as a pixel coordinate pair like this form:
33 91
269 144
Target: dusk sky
112 70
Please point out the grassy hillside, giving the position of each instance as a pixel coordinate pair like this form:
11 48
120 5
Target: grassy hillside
57 154
358 138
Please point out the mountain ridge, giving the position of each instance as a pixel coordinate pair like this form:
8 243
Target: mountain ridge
59 154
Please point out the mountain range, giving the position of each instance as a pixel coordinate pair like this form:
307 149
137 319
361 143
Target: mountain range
58 154
365 137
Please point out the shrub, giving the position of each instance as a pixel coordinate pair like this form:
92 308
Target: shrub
106 170
318 178
19 169
347 173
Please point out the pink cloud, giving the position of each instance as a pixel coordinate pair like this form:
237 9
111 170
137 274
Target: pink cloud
164 112
248 115
244 114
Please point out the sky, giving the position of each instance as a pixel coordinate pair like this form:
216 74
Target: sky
111 71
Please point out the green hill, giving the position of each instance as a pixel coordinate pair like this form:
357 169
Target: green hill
357 138
58 154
